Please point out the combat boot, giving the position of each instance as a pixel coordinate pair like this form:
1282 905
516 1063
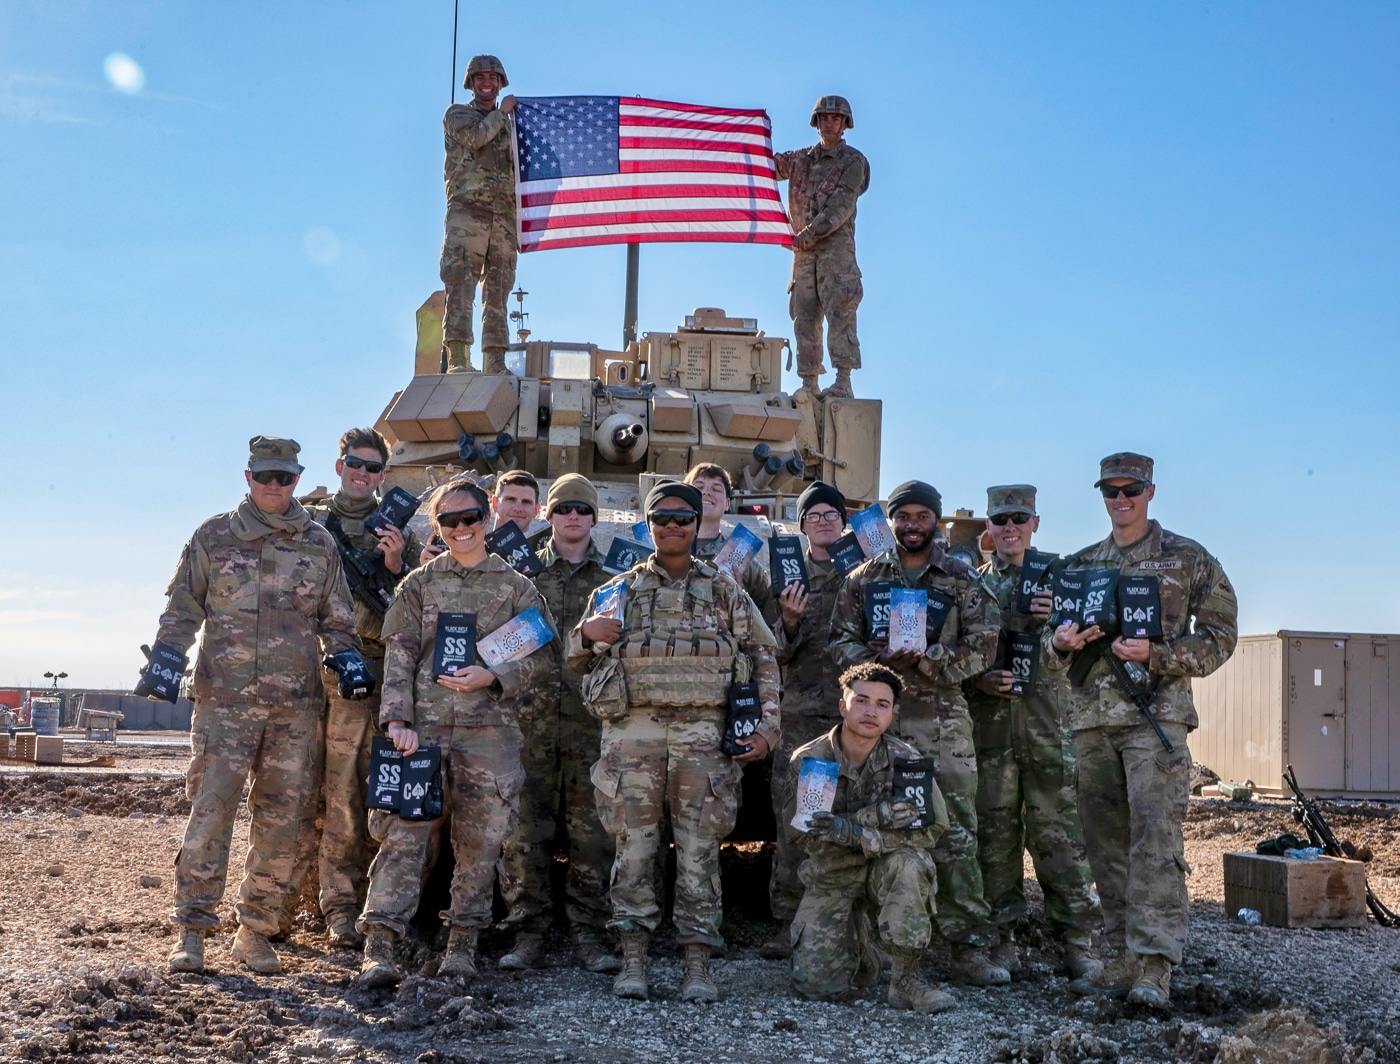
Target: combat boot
341 933
631 982
696 983
188 953
526 952
1113 979
594 954
255 952
841 387
460 958
458 356
493 360
1007 954
1153 987
378 968
809 382
779 947
972 966
1080 962
908 991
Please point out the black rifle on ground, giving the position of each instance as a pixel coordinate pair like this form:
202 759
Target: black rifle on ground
1307 812
370 582
1140 696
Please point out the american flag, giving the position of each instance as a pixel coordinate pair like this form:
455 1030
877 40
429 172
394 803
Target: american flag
621 170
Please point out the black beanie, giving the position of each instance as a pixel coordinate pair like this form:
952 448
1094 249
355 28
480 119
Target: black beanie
917 493
674 489
820 492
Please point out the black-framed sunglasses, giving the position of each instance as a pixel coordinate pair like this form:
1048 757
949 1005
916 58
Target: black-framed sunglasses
1017 518
360 463
682 518
1131 491
580 508
470 517
280 477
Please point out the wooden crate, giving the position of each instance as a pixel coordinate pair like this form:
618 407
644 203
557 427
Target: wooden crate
48 750
1327 892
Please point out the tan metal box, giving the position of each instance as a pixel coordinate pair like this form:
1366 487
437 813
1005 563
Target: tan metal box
745 363
48 749
567 399
436 419
744 420
1286 892
4 744
403 418
672 411
851 447
682 359
427 351
781 424
486 404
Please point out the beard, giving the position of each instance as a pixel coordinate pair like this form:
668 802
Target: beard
914 542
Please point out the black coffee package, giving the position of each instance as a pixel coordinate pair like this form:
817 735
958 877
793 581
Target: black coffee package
454 645
745 714
1034 567
624 554
786 565
1101 600
385 774
1140 607
913 782
940 604
847 553
421 798
1069 596
395 509
877 610
1022 657
165 668
510 544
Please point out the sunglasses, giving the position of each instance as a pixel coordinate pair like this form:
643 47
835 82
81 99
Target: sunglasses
683 518
280 477
827 517
359 463
1131 491
580 508
1018 519
461 517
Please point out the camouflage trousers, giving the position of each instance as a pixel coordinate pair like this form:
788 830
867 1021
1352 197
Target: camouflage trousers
1026 801
478 247
825 284
831 927
784 886
561 745
229 743
1132 798
481 781
962 913
655 760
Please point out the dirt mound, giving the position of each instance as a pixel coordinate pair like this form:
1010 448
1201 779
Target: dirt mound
1286 1036
115 795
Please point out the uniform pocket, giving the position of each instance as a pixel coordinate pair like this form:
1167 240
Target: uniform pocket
721 805
509 785
607 786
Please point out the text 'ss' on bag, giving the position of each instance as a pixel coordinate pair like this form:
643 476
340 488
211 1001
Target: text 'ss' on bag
786 565
877 610
385 774
1101 600
913 782
1022 657
454 643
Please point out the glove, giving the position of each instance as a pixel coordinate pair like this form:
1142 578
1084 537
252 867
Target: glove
889 815
356 681
838 830
160 679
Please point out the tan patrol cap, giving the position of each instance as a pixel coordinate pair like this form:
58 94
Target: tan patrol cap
571 487
274 452
1125 464
1011 499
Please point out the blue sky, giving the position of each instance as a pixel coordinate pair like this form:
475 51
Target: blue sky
1091 227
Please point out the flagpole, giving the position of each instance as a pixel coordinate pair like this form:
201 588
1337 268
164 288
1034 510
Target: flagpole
629 306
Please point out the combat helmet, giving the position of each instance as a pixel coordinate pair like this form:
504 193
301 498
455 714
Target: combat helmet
489 64
831 105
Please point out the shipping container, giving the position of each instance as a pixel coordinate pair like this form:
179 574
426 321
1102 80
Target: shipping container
1327 703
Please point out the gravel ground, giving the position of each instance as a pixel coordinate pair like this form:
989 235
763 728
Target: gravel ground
85 863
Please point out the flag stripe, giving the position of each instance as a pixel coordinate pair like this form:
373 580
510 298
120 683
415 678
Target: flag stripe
538 224
623 193
672 145
658 122
662 165
637 105
691 135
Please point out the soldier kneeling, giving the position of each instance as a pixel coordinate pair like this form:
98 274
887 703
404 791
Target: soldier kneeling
869 857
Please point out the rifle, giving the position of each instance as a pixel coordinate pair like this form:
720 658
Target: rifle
1139 696
1307 813
370 582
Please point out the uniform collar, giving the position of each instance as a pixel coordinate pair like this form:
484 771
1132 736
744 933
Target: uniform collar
879 756
548 555
1149 546
494 563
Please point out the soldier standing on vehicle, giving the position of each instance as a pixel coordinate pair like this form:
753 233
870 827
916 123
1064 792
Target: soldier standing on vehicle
1026 798
865 856
810 676
933 714
479 245
340 850
660 680
562 741
1133 792
472 715
824 182
265 583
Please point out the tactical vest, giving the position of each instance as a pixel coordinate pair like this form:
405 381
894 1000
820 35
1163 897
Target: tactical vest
675 653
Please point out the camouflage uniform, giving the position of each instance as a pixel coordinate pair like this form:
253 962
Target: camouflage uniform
933 715
340 846
562 742
891 876
666 752
755 580
811 688
479 244
271 596
1025 790
479 733
823 186
1132 793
